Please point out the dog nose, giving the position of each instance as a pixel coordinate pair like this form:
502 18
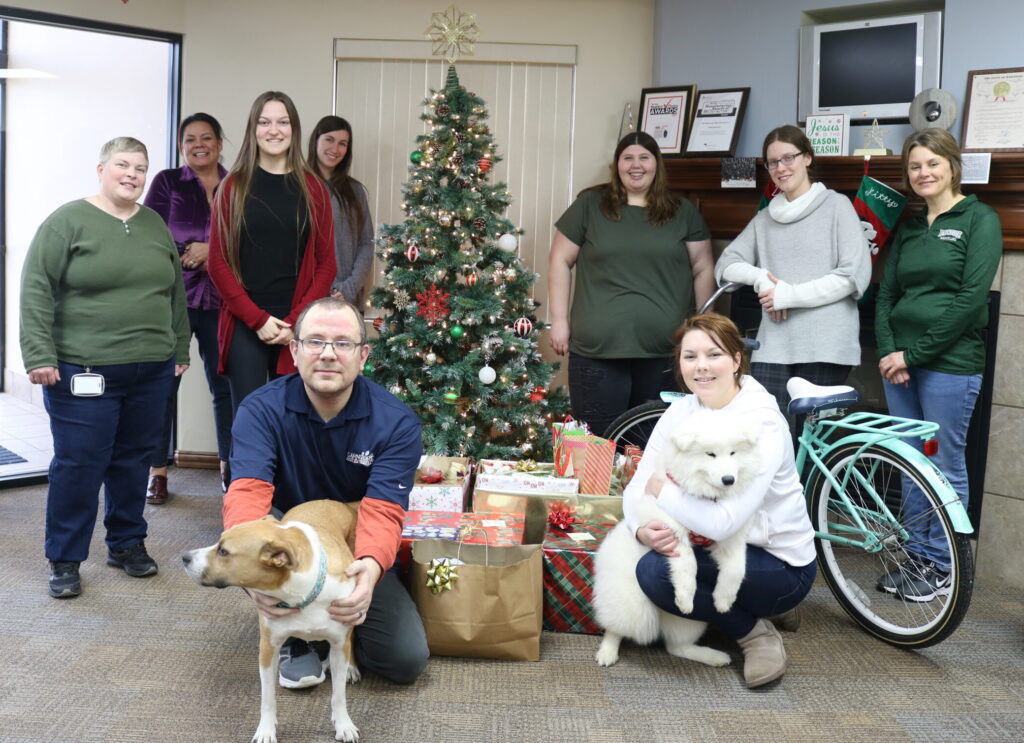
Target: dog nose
186 558
728 479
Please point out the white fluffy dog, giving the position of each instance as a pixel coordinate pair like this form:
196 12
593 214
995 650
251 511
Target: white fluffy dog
711 456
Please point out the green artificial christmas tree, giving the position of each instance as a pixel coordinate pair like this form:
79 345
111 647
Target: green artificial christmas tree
458 332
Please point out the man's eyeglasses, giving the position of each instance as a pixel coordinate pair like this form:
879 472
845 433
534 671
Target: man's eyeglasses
786 160
316 346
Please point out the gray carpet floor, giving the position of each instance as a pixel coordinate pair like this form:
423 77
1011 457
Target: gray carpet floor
161 659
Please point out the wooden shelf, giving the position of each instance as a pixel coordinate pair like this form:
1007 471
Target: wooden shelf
727 210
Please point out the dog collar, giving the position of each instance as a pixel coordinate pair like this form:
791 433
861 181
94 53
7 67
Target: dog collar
321 578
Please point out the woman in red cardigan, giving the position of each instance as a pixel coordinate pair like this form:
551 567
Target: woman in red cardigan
271 246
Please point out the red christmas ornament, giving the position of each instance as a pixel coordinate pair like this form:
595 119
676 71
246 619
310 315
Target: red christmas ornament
412 253
484 163
537 394
433 304
471 279
378 323
523 327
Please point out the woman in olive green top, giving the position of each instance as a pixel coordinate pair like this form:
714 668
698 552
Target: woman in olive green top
643 261
930 312
104 329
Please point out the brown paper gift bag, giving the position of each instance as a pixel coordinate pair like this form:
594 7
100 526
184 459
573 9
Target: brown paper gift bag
495 608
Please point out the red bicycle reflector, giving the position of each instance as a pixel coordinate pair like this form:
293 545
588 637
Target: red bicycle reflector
931 447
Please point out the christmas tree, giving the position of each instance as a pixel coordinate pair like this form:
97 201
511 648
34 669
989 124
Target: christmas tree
458 333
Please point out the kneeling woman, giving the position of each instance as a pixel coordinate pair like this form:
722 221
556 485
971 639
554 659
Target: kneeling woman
780 543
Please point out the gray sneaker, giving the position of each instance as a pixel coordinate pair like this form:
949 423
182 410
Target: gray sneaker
64 580
134 560
926 585
891 582
302 665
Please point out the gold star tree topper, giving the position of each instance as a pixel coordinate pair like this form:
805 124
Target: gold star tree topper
453 33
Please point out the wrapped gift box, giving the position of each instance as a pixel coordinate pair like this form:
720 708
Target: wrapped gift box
447 495
589 508
501 476
569 576
492 529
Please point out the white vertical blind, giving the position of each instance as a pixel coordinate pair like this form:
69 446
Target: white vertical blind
529 105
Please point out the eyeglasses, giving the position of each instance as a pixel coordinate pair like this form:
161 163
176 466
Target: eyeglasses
786 160
316 346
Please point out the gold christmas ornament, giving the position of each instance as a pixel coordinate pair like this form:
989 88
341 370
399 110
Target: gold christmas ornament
453 33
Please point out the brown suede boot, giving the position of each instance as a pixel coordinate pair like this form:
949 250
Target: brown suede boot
788 621
764 656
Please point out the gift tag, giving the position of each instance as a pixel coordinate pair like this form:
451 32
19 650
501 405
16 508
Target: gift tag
496 523
581 536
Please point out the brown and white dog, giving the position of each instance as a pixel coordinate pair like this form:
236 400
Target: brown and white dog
301 561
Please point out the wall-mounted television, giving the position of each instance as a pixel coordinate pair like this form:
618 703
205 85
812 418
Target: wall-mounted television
869 69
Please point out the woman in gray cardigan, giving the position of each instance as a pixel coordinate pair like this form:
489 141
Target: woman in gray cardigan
330 151
808 260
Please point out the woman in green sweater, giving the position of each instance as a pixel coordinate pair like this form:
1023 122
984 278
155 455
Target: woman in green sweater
930 312
104 329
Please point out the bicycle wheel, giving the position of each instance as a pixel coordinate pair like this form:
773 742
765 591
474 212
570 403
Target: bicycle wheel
852 572
635 425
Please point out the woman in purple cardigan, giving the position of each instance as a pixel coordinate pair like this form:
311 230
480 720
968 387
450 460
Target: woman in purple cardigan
182 196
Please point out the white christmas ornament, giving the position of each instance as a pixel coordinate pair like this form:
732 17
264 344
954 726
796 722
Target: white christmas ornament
487 375
508 242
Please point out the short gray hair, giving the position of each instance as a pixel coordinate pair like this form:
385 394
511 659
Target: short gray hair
122 144
334 304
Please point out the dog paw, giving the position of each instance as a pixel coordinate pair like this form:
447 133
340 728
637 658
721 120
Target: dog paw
607 656
265 734
345 730
685 604
354 675
723 603
710 656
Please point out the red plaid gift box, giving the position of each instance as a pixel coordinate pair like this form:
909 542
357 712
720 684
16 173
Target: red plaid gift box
569 576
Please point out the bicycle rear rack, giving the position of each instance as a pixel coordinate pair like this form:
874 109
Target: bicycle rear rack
884 426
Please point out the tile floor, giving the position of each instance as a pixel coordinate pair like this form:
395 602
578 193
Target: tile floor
25 430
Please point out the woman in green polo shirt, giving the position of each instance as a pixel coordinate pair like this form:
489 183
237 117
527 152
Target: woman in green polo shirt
930 312
643 261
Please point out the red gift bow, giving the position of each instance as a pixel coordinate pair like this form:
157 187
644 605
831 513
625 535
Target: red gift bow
561 515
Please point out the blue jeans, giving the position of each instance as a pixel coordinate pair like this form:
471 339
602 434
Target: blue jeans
946 399
103 440
770 587
204 327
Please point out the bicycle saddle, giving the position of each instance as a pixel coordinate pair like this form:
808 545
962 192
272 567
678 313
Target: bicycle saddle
808 398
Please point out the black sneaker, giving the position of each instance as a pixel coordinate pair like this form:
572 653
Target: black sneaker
926 585
64 580
892 581
135 561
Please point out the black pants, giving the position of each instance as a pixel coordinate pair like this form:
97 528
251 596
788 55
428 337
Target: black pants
251 362
600 390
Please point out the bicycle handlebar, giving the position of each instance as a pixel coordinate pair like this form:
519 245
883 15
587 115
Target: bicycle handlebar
726 288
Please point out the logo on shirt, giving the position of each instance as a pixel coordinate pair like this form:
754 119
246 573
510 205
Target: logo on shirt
950 235
364 458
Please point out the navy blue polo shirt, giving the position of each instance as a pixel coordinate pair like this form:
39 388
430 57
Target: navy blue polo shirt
370 449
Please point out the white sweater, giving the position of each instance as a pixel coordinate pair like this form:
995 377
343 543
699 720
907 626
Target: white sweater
781 527
816 247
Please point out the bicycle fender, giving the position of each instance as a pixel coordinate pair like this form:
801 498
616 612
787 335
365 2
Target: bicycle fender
954 508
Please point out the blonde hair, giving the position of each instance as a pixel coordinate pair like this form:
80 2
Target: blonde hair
232 223
942 144
122 144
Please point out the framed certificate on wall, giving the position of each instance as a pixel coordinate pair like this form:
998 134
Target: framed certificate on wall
717 117
665 114
994 111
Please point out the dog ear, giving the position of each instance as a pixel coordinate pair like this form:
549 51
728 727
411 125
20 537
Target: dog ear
751 432
276 555
684 438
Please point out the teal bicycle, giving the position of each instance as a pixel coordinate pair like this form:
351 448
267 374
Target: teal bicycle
853 467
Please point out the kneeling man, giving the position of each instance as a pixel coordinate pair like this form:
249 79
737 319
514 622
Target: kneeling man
327 432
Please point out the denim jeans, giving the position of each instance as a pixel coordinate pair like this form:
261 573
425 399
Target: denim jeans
769 587
600 390
106 441
204 327
946 399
